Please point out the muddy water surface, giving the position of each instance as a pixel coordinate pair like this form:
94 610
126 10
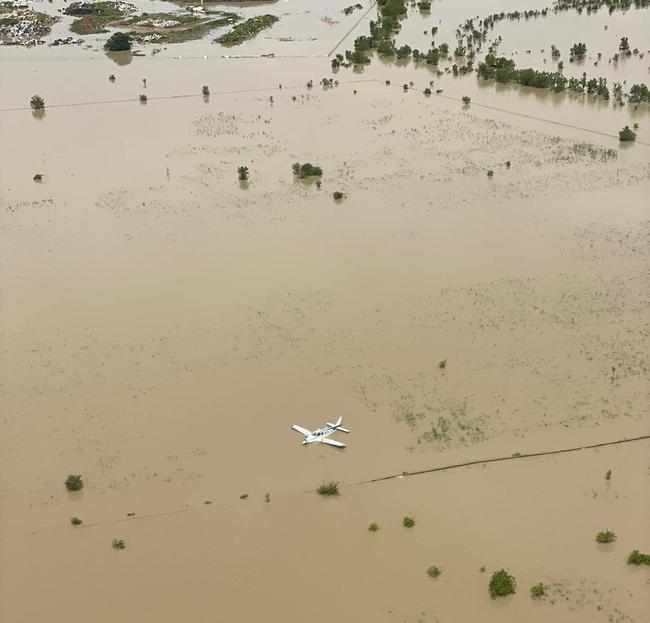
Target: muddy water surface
163 325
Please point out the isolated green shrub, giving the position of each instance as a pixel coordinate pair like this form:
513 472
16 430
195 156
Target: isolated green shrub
408 522
329 488
75 521
637 558
74 482
37 102
626 135
118 42
501 584
118 544
243 173
433 571
373 527
537 590
306 170
606 536
337 195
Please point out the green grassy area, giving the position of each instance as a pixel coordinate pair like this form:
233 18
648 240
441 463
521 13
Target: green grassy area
247 29
189 26
93 17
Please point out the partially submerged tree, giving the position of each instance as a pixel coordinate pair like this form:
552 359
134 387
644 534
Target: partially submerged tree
118 42
74 482
37 102
501 584
626 135
243 173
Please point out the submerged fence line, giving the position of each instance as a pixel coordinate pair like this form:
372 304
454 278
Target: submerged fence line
420 472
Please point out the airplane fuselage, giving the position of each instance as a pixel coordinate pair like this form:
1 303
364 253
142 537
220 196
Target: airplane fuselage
319 434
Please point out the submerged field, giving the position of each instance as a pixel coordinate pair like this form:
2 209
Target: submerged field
480 290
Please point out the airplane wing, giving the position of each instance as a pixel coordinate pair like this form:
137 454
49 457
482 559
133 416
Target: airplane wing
332 442
302 430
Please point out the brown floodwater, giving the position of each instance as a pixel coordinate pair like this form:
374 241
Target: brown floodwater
163 325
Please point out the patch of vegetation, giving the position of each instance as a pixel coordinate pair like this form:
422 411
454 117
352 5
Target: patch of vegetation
578 51
501 584
37 102
373 527
329 488
118 544
94 16
267 497
75 521
608 475
243 496
306 170
338 195
118 42
637 558
639 94
433 571
626 135
537 591
606 536
243 173
143 98
467 100
205 90
490 173
248 29
74 482
482 569
408 522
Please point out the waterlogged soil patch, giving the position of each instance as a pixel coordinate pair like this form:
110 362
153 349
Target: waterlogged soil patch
94 16
23 26
248 29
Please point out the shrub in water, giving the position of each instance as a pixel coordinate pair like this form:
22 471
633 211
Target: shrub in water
626 135
329 488
37 102
118 544
606 536
243 173
433 571
637 558
408 522
74 482
75 521
501 584
118 42
337 196
373 527
537 590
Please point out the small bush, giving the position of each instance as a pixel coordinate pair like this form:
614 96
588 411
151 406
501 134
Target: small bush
337 195
442 364
205 90
75 521
37 102
501 584
243 496
467 100
433 571
329 488
408 522
427 91
267 497
38 177
537 590
608 475
119 544
111 78
143 99
508 164
74 482
243 173
118 42
606 536
482 568
637 558
373 527
306 170
626 135
490 173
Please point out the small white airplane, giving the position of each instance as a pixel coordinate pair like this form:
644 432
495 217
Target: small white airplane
321 435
